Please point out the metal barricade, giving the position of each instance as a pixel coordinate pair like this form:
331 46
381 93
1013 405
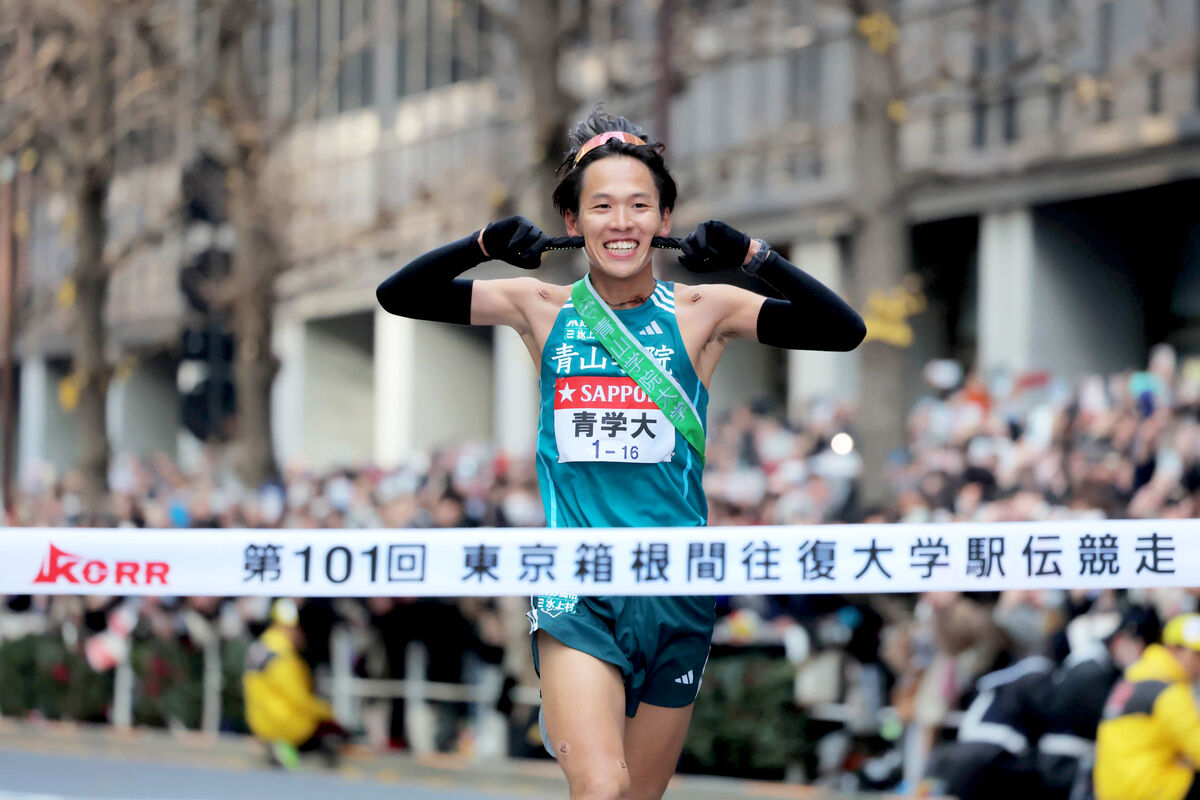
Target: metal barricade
348 691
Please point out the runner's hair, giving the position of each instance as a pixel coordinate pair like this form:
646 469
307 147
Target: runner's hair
570 182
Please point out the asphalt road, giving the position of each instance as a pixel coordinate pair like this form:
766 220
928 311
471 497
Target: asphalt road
57 768
37 776
68 762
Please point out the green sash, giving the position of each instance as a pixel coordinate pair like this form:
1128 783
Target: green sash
658 384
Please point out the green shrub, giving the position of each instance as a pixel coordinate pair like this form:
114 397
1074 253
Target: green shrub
744 722
169 682
38 673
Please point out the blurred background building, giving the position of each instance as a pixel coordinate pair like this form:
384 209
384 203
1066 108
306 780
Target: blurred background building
1044 170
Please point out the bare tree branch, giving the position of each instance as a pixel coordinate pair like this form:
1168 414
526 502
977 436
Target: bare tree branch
145 83
328 74
146 239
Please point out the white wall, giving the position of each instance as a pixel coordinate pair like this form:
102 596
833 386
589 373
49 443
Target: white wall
287 393
451 385
433 385
1006 288
31 408
515 393
338 396
143 408
48 435
394 354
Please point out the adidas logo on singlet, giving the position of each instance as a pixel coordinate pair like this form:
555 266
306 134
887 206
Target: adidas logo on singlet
685 679
651 330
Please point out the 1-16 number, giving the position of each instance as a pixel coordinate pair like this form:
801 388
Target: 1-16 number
628 452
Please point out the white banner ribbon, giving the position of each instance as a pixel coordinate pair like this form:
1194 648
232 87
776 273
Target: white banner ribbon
841 559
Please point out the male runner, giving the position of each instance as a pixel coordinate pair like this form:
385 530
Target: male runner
619 674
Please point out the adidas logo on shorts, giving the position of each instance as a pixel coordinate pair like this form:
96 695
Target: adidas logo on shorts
686 679
651 330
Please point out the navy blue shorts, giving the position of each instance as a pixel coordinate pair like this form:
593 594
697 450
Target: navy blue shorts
660 644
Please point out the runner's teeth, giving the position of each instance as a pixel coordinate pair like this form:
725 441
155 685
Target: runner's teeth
621 246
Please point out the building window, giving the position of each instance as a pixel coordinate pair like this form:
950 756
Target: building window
616 21
1198 56
401 50
939 127
1154 92
816 163
979 113
307 53
983 35
440 42
432 43
1009 13
367 56
294 54
323 11
792 163
484 40
346 73
465 44
357 58
1054 97
1104 37
1104 57
804 77
263 56
1105 114
1011 129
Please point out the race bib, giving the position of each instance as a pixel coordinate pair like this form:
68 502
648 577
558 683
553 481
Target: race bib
609 419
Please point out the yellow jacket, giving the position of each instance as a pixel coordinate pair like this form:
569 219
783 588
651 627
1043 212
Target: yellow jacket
1148 744
280 704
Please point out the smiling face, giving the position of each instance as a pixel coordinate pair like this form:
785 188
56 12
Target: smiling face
618 216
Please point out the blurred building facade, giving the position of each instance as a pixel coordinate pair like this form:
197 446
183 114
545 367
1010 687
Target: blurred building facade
1052 149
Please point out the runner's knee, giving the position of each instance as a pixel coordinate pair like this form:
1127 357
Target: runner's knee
603 779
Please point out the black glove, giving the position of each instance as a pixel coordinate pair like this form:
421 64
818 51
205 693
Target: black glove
515 240
713 246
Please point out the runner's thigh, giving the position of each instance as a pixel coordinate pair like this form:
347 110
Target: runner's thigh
583 699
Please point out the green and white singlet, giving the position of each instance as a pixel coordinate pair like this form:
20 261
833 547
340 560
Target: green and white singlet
606 455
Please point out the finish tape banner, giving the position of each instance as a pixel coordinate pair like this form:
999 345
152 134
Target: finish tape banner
841 559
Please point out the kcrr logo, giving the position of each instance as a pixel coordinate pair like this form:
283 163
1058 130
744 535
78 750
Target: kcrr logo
61 565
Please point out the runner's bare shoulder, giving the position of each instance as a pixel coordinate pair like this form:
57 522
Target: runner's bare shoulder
514 301
717 310
702 294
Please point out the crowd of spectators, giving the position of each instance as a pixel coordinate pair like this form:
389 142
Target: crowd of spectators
998 447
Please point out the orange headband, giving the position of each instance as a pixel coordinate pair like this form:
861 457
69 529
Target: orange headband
596 141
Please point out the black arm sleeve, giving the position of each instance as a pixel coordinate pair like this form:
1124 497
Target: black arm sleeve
428 287
811 317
